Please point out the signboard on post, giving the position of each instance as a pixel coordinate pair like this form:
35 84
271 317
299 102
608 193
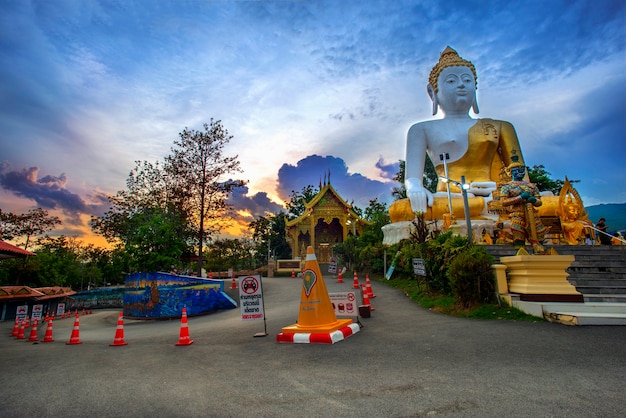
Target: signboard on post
21 312
345 303
418 267
332 265
37 312
251 298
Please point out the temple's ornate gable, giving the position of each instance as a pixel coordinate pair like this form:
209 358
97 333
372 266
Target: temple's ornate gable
327 220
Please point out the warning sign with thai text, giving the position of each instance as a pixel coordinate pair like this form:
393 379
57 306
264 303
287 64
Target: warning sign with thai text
251 298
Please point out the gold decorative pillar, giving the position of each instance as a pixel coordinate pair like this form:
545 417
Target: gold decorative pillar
541 278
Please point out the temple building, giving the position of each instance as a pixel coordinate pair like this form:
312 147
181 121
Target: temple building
327 220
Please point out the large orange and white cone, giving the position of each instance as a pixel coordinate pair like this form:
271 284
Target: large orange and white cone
317 322
368 286
184 330
33 332
47 338
366 299
119 332
75 337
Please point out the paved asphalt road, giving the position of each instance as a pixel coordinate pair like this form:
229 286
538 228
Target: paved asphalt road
405 362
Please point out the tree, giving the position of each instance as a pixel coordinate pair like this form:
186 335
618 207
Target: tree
297 201
182 200
200 167
268 233
148 218
544 182
34 222
430 179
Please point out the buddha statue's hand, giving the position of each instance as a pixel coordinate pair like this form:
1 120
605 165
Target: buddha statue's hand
420 197
482 188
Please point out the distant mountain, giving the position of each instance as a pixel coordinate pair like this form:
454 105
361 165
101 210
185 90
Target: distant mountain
614 213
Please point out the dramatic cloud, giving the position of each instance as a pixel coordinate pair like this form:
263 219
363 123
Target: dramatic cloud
49 192
316 170
251 207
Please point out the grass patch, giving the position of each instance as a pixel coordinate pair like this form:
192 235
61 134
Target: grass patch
447 305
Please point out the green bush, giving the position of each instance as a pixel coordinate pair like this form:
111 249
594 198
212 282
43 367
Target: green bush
471 277
438 253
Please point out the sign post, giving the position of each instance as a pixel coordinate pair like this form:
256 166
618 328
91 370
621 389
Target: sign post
251 301
418 267
332 265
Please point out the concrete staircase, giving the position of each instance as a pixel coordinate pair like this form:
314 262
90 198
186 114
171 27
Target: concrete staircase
598 272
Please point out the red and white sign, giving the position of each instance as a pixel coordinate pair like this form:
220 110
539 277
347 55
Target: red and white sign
60 309
21 312
344 303
251 298
37 312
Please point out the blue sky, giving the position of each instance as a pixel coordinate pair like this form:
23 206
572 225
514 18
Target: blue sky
89 87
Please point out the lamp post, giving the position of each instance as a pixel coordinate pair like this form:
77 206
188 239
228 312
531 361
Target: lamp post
464 187
444 158
468 222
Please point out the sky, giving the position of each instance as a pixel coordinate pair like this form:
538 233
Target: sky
305 88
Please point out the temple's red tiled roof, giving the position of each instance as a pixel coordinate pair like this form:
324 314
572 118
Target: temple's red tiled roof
39 293
18 292
10 250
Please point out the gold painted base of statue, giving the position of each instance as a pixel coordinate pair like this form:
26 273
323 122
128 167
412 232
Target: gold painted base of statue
400 210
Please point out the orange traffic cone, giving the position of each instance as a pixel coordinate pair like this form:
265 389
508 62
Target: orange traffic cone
233 284
355 284
368 286
75 337
293 274
184 329
340 277
26 322
119 332
317 322
33 332
48 337
366 299
20 333
16 328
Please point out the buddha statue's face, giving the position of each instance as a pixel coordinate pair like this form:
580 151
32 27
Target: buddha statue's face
572 212
457 89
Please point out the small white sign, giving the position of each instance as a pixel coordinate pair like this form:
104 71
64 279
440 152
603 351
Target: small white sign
251 298
37 312
418 267
21 312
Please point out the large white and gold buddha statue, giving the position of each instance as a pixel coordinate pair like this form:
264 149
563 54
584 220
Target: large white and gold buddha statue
475 148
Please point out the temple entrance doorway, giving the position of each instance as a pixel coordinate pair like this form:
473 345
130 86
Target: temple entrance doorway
327 235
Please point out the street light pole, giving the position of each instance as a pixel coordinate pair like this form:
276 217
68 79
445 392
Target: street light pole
444 158
464 188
